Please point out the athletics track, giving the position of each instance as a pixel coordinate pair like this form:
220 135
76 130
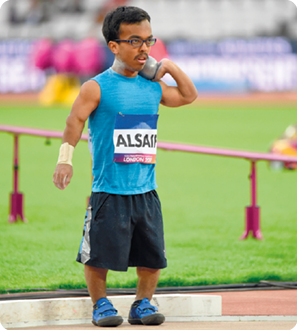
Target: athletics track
257 97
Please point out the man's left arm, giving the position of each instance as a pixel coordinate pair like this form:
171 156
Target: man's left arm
174 96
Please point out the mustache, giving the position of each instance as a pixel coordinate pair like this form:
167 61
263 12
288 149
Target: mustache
141 55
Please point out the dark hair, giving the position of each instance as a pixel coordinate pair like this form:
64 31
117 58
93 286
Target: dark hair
122 14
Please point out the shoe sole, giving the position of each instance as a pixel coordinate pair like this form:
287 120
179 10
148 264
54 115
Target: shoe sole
153 319
109 321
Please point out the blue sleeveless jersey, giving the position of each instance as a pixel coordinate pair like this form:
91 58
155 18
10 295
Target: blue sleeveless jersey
120 95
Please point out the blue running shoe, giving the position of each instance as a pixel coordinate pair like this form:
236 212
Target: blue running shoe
142 312
105 315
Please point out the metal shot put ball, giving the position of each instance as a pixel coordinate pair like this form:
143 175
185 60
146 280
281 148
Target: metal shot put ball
150 68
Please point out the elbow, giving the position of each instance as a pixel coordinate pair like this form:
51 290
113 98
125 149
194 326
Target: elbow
75 121
195 95
192 97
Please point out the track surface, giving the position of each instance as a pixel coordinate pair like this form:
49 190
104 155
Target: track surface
281 97
270 302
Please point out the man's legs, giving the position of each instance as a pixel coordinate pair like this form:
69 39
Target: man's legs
142 312
147 282
96 282
104 314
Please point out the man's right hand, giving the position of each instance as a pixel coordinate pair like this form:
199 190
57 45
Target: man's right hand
62 175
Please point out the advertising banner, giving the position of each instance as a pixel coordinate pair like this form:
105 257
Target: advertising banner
17 73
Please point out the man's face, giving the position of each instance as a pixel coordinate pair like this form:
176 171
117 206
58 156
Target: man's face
133 58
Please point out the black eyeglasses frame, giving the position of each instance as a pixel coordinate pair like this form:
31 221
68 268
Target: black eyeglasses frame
130 41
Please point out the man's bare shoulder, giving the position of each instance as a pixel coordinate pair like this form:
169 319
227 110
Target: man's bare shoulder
87 100
90 90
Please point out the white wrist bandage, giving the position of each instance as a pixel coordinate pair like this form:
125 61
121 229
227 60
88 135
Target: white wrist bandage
65 155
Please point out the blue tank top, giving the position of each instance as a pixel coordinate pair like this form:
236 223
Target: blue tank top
121 96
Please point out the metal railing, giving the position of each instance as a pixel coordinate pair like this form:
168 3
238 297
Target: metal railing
252 212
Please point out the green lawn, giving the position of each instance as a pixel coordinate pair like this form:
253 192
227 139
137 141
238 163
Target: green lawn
203 199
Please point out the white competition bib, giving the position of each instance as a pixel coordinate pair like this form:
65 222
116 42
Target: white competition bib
135 138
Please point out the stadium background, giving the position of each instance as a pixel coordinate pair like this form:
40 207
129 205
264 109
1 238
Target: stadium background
226 46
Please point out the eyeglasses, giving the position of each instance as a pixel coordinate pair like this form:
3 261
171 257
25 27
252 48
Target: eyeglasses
139 42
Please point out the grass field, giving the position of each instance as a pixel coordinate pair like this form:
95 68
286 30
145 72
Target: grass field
203 199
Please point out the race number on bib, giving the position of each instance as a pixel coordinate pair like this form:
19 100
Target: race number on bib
135 139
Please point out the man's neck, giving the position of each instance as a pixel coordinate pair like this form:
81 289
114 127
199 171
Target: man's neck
121 68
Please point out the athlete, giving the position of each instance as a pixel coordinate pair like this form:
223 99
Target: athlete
123 223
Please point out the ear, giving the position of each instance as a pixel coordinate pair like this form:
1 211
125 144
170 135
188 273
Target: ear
114 47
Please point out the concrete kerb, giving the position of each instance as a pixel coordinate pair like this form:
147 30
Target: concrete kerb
190 308
67 311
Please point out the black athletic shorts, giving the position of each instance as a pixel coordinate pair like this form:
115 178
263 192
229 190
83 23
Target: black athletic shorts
123 231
